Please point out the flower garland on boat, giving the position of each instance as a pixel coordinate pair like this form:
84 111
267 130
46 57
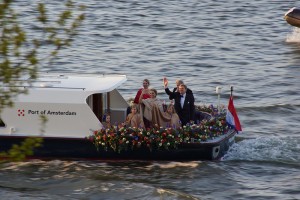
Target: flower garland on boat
121 138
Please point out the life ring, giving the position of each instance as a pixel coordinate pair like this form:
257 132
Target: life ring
293 17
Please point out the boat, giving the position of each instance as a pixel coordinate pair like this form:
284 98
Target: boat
74 105
293 17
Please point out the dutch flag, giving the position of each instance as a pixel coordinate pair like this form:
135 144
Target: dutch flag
232 117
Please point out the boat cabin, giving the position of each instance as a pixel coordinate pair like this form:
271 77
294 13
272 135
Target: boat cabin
72 105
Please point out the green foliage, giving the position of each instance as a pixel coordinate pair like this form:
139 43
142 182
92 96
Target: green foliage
19 56
20 152
19 52
44 120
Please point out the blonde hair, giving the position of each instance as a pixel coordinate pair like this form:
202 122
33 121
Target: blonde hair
154 90
179 82
172 107
134 106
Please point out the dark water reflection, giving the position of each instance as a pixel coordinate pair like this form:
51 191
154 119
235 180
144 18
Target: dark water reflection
150 180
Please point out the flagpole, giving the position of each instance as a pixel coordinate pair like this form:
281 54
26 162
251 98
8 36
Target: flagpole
231 90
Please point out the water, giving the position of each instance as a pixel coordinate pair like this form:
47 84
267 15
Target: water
246 44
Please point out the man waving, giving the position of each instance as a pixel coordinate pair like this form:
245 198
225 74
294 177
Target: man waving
184 102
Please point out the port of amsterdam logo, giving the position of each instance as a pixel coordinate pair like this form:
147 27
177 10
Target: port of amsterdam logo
21 112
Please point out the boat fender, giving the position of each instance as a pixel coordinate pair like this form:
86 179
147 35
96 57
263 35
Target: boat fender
293 17
12 130
215 151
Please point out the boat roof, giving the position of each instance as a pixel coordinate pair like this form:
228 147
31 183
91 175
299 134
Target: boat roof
66 88
91 83
68 102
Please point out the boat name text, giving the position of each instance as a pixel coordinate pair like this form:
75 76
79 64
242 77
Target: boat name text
49 112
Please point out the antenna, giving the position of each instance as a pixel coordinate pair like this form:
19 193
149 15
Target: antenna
218 91
231 90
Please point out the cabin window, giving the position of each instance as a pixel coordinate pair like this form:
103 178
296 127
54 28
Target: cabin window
2 124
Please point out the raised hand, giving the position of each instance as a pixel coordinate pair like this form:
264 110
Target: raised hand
165 81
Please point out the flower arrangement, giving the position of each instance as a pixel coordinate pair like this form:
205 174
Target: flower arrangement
121 138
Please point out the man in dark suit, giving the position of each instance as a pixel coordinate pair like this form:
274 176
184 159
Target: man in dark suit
184 103
178 82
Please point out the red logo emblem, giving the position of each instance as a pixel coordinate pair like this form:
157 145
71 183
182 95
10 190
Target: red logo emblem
21 112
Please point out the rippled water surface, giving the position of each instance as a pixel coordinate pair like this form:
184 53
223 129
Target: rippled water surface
206 43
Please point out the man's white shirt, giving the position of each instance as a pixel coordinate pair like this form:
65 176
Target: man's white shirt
182 100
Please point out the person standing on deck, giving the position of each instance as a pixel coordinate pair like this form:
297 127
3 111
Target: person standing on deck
134 119
143 93
171 94
184 103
